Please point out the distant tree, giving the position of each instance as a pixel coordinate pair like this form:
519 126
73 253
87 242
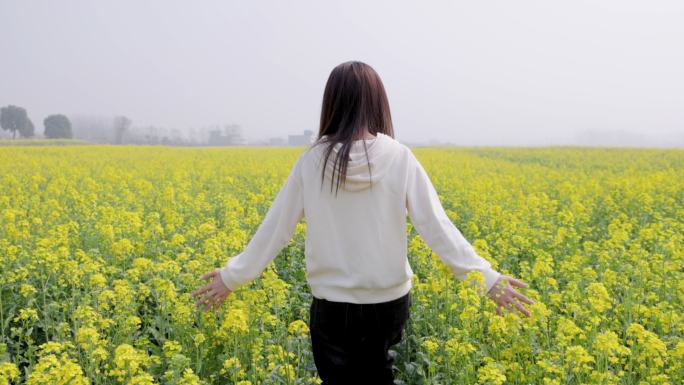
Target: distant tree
28 130
121 124
13 118
57 126
93 128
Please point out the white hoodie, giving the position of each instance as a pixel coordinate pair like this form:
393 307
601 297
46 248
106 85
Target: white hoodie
356 246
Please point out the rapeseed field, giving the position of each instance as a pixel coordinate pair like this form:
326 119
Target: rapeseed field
101 247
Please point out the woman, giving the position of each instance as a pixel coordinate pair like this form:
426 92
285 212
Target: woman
356 246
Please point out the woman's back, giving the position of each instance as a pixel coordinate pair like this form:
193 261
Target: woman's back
356 239
356 247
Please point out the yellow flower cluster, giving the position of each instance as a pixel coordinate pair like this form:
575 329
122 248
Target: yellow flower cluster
298 328
491 373
129 365
55 365
8 373
101 247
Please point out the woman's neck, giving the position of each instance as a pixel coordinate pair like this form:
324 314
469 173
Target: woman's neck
365 135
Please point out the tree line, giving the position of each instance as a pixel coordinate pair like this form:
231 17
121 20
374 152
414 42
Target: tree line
15 119
57 126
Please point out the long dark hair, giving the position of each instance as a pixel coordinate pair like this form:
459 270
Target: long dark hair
354 98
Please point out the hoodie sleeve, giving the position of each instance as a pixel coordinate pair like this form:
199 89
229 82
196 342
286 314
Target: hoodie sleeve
272 235
434 226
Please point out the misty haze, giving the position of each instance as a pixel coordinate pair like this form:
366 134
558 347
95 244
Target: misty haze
522 73
502 203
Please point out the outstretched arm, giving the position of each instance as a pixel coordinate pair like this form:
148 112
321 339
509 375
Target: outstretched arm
272 235
440 234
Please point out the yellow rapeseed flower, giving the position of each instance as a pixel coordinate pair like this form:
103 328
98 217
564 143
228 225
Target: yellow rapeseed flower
298 328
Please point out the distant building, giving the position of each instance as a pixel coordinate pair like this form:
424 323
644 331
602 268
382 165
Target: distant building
276 141
300 140
231 136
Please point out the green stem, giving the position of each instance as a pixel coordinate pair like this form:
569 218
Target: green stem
47 334
2 318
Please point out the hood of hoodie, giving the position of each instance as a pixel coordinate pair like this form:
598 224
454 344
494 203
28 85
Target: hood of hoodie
381 152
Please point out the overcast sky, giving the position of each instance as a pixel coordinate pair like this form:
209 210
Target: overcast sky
468 72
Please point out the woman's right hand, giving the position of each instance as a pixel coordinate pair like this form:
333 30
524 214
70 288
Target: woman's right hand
215 292
503 294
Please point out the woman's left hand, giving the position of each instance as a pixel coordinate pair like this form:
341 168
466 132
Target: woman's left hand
503 294
215 292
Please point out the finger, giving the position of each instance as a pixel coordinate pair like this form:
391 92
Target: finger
206 305
219 301
198 303
204 298
222 301
517 294
516 282
209 303
200 290
216 300
208 275
522 308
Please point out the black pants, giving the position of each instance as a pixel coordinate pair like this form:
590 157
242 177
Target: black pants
350 341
